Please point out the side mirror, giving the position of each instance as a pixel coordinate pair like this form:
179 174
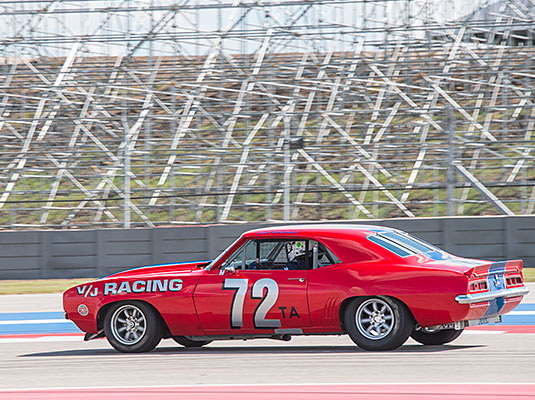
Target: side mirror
229 268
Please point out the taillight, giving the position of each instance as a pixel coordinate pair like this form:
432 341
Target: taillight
479 286
515 280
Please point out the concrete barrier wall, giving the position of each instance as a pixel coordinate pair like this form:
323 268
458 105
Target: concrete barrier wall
94 253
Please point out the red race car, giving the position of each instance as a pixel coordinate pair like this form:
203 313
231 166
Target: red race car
377 284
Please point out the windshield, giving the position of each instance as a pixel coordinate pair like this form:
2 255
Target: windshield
209 266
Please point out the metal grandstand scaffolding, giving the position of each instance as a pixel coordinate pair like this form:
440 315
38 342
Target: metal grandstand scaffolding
143 113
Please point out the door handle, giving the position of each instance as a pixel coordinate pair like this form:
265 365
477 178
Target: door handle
297 279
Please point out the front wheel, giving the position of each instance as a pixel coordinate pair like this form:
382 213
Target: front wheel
378 323
184 341
132 327
430 337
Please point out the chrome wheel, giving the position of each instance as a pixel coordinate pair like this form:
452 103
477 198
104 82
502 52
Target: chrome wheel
374 319
133 326
378 323
128 324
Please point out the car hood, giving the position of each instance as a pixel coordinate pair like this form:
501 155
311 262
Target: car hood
157 270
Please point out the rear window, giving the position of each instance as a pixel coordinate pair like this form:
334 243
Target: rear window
407 241
404 245
390 245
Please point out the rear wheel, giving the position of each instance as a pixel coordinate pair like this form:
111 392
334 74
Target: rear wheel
378 323
190 343
132 327
431 337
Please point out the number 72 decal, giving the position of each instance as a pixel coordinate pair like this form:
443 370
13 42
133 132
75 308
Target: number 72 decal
257 292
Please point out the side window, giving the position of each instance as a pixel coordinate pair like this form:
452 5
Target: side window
250 252
266 248
277 254
325 256
299 254
268 254
280 254
236 259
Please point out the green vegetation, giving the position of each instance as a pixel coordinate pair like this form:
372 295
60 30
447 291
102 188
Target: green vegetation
529 274
200 167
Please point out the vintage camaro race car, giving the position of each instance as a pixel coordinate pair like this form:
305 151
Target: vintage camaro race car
376 284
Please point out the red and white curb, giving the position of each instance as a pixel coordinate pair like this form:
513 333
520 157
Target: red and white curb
383 391
76 337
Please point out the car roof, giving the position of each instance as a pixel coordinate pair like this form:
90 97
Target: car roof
318 229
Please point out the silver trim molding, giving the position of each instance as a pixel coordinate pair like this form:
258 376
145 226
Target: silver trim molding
290 331
481 297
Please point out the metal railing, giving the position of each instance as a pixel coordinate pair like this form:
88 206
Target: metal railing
130 113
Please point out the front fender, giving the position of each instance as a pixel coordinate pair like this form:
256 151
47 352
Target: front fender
171 296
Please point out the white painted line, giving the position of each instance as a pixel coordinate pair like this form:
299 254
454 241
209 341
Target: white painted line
521 313
35 321
275 385
43 339
478 332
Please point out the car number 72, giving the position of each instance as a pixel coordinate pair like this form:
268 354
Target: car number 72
268 300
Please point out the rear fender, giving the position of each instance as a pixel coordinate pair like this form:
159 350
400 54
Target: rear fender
348 300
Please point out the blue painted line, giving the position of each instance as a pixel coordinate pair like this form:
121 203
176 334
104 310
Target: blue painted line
23 329
525 307
518 319
69 327
32 328
31 315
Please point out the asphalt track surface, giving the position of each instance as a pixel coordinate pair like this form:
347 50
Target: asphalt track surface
488 363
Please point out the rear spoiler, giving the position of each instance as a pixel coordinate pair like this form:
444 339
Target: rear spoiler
493 268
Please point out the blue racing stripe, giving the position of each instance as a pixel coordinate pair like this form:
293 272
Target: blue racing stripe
495 282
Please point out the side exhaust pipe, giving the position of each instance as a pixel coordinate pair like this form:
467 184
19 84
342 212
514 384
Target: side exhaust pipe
284 338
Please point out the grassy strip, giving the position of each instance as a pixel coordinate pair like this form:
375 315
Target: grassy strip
60 285
529 274
38 285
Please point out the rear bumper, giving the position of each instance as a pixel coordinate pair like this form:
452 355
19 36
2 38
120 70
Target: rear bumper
460 325
481 297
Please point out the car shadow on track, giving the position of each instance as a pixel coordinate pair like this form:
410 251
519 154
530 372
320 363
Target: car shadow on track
215 349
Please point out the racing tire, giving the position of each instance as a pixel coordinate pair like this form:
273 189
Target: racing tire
184 341
434 338
132 327
378 323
